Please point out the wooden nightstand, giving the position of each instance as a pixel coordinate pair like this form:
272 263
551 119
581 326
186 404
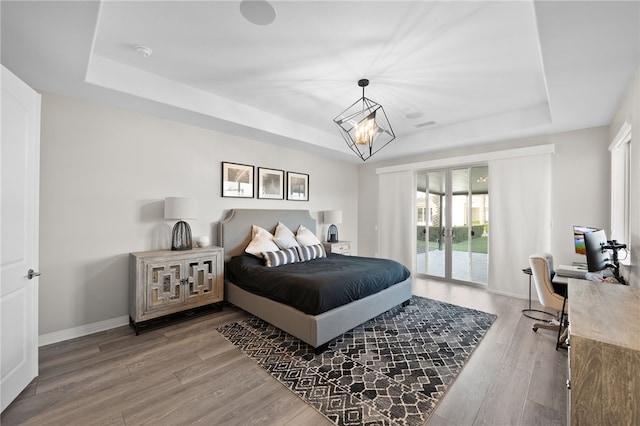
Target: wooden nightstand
166 282
340 247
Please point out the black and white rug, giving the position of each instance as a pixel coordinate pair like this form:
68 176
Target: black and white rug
391 370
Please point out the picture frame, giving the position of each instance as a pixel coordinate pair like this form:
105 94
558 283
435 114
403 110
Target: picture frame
270 184
237 180
297 186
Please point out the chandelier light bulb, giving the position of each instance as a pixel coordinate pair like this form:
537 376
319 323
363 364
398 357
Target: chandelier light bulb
365 131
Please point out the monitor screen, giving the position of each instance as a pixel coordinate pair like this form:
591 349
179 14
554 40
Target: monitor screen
578 237
597 258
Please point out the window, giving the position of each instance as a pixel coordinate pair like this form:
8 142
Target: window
620 185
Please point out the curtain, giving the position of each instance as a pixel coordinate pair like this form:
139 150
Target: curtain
395 217
519 219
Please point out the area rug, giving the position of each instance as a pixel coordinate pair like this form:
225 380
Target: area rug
391 370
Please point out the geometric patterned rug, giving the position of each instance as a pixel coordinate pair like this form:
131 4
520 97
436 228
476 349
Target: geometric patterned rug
391 370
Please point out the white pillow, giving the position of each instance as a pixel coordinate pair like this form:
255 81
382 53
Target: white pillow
284 237
306 237
261 241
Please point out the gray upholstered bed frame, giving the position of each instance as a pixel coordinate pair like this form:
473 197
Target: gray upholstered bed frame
316 330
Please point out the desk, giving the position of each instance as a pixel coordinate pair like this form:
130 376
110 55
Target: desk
560 279
526 312
604 354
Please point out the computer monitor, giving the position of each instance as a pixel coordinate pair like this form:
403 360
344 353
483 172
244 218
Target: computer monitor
597 258
578 237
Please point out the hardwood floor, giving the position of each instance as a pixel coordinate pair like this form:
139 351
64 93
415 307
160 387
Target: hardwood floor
188 374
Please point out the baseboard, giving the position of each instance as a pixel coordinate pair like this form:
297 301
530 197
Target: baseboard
83 330
534 297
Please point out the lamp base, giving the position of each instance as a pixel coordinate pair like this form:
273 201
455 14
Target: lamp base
332 234
181 239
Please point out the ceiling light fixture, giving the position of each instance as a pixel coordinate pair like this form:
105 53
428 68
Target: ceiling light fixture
258 12
365 126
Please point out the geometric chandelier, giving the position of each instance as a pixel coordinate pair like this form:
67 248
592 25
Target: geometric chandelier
365 126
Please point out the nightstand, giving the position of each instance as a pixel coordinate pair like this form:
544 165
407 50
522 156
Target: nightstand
339 247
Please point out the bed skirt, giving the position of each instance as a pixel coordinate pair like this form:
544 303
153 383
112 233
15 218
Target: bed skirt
317 330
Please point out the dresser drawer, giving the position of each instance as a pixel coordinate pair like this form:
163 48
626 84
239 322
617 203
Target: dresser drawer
340 247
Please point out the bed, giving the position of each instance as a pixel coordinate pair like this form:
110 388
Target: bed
316 330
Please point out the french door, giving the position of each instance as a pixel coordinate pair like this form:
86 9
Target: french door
452 226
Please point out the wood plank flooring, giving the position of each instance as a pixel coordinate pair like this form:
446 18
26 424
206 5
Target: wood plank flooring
188 374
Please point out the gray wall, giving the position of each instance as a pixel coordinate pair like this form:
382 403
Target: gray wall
104 175
105 171
580 188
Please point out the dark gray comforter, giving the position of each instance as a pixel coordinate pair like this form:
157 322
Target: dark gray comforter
318 285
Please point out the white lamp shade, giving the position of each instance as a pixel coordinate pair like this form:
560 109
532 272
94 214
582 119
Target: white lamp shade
333 216
180 208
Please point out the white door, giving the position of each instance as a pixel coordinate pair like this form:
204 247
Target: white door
19 155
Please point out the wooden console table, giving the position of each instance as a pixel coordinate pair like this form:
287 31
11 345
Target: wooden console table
604 354
164 283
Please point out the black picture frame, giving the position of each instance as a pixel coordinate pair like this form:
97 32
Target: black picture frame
297 186
237 180
270 184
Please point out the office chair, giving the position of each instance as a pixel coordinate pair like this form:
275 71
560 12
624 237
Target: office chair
541 268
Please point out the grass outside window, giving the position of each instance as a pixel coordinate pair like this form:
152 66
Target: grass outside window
478 245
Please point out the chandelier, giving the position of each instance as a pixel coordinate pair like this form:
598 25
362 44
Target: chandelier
365 126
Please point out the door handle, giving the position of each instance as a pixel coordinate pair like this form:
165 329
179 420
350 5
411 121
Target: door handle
31 274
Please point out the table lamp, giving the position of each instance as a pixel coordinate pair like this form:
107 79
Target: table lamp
181 208
332 217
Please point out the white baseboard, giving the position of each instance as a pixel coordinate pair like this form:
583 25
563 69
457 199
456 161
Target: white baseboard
83 330
534 297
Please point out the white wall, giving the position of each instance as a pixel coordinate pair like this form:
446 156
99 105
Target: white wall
580 188
629 111
104 175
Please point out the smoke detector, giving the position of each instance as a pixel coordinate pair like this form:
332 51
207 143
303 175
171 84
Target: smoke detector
143 51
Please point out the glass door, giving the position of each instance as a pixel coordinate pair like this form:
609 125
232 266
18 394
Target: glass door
479 233
431 222
459 197
460 241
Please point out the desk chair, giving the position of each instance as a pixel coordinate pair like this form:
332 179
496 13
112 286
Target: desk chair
549 298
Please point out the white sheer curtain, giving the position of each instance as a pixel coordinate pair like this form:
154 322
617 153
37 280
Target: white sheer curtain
520 211
395 217
519 219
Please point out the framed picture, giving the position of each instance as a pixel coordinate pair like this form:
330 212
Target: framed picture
237 180
297 186
270 183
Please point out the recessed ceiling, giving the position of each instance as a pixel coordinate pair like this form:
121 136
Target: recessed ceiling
447 73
